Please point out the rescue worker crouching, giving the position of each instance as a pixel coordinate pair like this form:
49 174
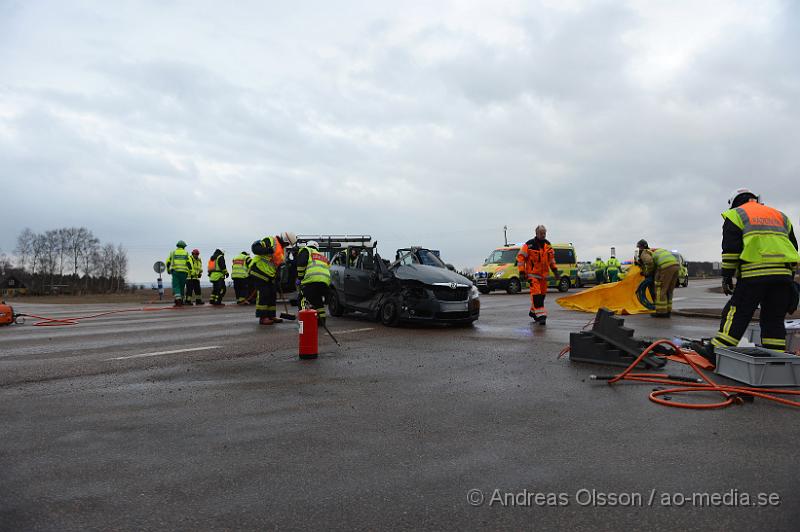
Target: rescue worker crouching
535 259
662 267
313 278
268 256
599 270
760 249
178 266
217 273
612 269
239 274
193 280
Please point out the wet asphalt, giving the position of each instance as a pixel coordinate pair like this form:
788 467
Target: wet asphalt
101 427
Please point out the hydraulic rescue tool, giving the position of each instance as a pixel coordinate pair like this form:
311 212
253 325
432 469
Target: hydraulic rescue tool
7 316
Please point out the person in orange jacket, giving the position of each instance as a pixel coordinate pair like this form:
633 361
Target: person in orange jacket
535 260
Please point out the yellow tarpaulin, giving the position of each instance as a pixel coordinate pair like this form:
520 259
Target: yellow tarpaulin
619 297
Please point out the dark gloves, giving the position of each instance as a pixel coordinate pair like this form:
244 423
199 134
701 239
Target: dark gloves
556 273
727 285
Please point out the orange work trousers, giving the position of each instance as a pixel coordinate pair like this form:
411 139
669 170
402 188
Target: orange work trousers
538 292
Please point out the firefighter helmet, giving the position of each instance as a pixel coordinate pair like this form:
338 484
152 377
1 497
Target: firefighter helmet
738 192
181 244
289 237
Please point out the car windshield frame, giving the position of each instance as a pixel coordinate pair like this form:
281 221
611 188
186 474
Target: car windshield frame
500 253
423 256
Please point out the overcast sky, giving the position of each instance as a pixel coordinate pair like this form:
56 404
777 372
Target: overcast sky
430 123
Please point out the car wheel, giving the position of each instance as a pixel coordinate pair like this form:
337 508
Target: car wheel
563 284
513 286
390 313
483 290
334 305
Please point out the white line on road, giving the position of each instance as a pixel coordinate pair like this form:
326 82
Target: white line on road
354 330
157 353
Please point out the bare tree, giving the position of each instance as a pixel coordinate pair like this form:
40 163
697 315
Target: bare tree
63 238
80 239
24 247
121 259
89 256
105 265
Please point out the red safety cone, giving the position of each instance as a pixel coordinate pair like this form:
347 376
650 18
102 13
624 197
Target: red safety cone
307 319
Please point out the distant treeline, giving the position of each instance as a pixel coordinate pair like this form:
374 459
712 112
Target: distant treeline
67 260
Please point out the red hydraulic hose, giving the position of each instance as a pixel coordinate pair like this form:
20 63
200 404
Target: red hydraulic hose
730 394
60 322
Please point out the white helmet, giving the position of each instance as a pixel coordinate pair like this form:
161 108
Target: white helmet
289 237
738 192
312 244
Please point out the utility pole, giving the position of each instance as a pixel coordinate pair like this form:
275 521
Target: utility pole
505 234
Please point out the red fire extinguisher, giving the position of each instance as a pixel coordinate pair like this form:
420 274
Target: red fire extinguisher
307 318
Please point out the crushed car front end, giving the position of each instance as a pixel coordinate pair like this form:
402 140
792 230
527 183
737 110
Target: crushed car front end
439 302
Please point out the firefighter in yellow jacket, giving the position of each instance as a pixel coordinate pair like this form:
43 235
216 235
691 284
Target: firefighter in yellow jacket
314 278
239 273
217 273
193 280
599 270
612 269
759 248
268 256
178 266
662 267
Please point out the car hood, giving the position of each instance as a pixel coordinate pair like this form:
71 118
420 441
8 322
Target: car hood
428 274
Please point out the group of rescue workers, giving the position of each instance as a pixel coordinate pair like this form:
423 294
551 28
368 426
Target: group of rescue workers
607 272
256 277
759 249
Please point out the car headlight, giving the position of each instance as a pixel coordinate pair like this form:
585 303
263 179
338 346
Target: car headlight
473 292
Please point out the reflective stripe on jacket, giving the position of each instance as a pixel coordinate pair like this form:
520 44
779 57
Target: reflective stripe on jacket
178 261
195 267
216 268
534 261
663 258
265 267
767 249
316 270
240 266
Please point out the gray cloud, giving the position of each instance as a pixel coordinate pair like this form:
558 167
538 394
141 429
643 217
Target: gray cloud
154 122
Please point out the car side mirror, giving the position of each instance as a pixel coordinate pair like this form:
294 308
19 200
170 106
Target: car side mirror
450 267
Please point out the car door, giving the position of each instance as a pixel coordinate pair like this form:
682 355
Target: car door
359 285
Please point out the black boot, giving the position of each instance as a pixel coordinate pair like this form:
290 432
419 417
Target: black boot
705 350
541 320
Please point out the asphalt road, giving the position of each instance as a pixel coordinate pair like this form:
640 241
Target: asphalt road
199 418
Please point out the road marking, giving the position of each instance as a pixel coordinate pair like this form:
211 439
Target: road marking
157 353
354 330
